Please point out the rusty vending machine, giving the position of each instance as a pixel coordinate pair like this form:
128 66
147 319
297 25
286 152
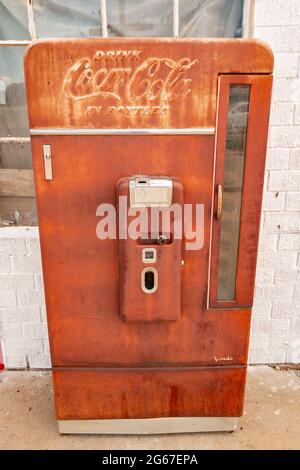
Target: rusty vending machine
149 162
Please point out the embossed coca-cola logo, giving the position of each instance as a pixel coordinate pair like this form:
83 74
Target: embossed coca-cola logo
154 80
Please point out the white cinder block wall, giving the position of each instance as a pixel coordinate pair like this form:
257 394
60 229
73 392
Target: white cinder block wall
23 327
275 333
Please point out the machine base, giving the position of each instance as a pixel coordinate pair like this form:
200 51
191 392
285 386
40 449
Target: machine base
147 426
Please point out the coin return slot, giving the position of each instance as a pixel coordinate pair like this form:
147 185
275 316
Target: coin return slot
149 280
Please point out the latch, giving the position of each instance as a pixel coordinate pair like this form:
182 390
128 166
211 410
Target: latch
47 162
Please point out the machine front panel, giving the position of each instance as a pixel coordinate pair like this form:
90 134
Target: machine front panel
150 325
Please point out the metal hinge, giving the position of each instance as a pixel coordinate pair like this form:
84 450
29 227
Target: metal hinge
47 162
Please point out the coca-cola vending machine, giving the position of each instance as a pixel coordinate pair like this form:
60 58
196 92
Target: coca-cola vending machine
149 162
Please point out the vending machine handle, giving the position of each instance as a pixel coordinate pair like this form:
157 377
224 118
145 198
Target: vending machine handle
219 201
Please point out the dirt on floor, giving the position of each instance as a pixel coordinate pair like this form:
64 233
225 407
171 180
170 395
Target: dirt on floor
271 417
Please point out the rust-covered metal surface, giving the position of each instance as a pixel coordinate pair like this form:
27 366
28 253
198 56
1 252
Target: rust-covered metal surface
134 83
147 84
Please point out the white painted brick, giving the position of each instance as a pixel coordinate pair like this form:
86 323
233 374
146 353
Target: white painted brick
268 241
15 361
262 309
264 277
277 356
261 326
284 180
266 180
8 298
295 328
4 264
266 34
278 260
259 341
286 89
23 346
43 314
259 356
285 310
12 246
281 114
16 281
297 294
39 361
277 159
293 202
297 114
278 12
280 326
286 38
35 331
287 277
12 331
267 356
293 354
21 315
274 293
33 246
289 241
284 136
294 160
38 281
46 346
31 298
282 221
26 264
279 341
274 201
285 65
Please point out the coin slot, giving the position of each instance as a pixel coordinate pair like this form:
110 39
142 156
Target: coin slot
149 280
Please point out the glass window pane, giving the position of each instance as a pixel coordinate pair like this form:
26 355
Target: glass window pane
14 20
70 18
210 18
233 187
140 18
13 109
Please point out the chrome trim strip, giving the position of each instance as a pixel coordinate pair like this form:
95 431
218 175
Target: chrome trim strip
142 131
147 426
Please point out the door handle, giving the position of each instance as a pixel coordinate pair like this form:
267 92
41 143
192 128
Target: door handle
219 201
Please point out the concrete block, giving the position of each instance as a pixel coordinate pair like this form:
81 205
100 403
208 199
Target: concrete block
26 264
39 361
8 298
294 160
16 281
274 201
277 159
289 241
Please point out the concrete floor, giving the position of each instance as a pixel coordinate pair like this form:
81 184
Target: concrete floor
271 417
